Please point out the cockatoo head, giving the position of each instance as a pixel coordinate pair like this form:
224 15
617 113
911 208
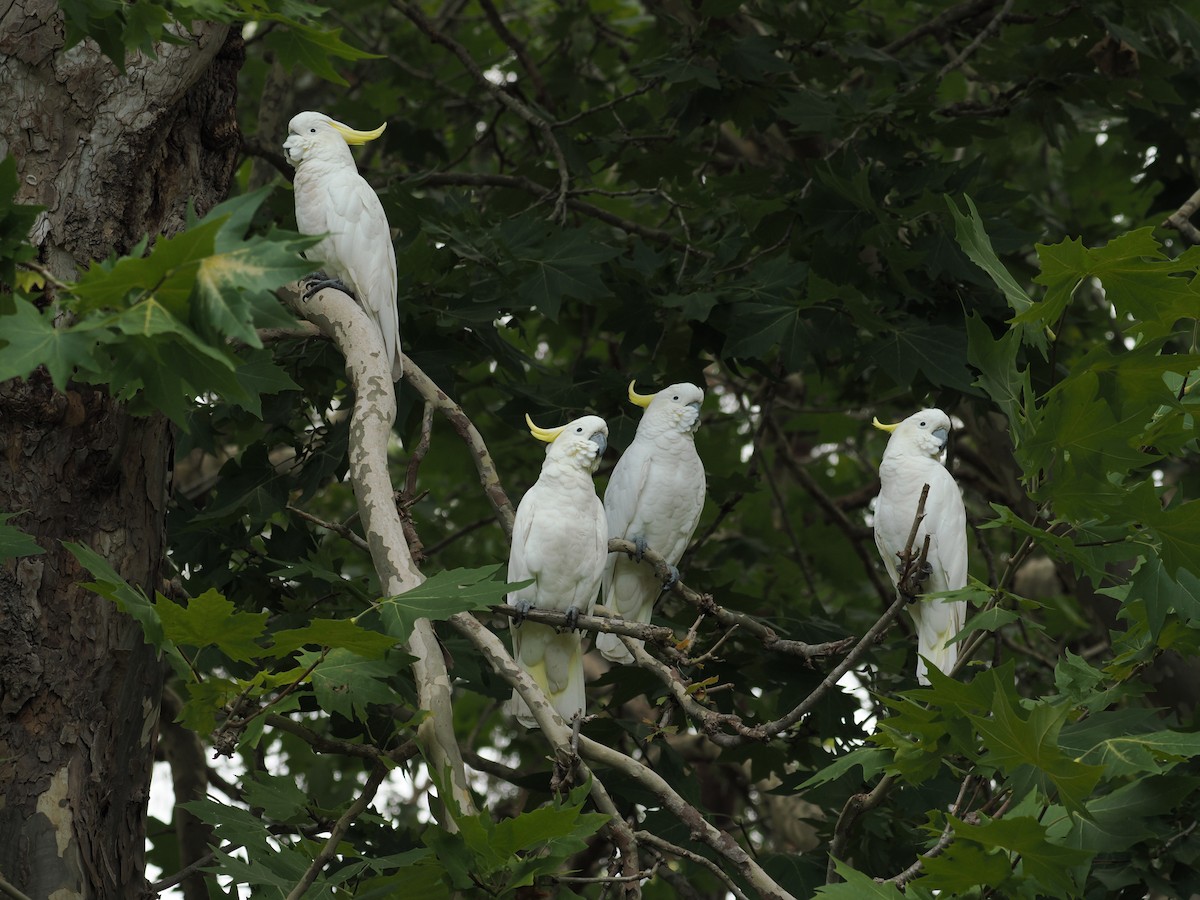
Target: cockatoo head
580 443
313 135
923 433
674 408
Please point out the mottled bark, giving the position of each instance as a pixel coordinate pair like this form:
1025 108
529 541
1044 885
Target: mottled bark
112 157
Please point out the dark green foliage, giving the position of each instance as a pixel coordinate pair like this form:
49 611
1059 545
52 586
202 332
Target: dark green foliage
825 212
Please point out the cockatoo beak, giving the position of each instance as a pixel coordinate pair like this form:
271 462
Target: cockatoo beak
601 443
941 435
543 434
642 400
353 137
884 427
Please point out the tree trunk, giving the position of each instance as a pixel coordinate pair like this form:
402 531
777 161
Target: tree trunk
111 157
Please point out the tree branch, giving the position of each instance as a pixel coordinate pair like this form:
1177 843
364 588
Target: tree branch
378 773
339 316
700 828
551 726
414 14
1180 219
488 475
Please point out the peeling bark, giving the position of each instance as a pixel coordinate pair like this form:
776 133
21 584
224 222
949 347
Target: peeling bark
112 157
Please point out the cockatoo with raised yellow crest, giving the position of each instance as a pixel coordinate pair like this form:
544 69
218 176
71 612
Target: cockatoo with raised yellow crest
332 199
560 540
654 499
911 460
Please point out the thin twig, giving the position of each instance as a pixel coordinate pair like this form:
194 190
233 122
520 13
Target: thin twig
489 477
988 30
417 17
658 634
649 837
329 851
10 890
1180 219
854 808
338 529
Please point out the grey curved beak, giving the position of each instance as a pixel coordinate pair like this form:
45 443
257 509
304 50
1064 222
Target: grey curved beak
600 441
942 436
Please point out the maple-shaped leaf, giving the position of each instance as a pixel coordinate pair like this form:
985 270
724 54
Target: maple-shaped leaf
1049 863
211 620
15 543
31 340
561 263
347 683
1014 741
442 596
857 886
333 633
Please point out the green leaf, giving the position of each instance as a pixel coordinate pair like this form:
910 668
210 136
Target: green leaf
16 220
15 543
32 341
111 586
565 264
1137 754
963 866
1049 863
1013 741
278 796
870 759
757 329
1178 530
211 620
341 633
168 273
973 238
347 683
937 351
233 824
857 886
313 48
999 376
442 596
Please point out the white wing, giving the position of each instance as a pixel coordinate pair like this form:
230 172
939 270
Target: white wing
361 247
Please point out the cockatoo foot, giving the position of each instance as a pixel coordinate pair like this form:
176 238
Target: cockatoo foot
672 578
522 607
322 282
640 543
572 615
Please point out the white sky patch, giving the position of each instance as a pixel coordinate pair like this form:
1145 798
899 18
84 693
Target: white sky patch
496 75
865 714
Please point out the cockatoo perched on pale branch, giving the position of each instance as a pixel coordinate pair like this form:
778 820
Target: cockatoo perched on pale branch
334 200
911 460
654 499
559 540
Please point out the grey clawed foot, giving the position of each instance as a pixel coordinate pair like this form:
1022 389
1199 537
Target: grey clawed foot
522 607
572 615
672 578
640 543
321 281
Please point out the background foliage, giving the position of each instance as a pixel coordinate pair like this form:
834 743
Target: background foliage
821 211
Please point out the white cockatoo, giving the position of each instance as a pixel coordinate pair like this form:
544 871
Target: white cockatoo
654 499
559 540
334 200
911 460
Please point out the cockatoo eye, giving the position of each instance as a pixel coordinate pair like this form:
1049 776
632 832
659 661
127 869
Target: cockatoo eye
676 397
312 131
579 430
922 424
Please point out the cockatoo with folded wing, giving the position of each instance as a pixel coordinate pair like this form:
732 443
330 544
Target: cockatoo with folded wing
332 199
911 460
654 499
560 540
